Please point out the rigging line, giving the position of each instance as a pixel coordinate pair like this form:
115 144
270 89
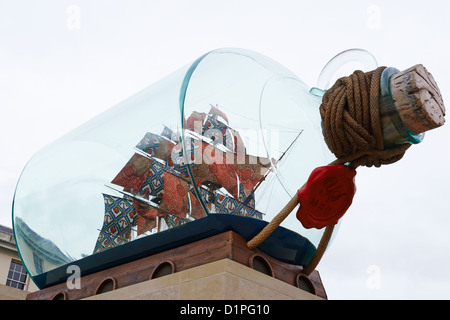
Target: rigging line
114 235
270 196
138 198
148 202
267 173
264 189
292 143
170 171
277 173
149 156
165 168
218 146
70 257
238 114
254 120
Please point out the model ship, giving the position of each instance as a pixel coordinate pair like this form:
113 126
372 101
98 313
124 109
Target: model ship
161 187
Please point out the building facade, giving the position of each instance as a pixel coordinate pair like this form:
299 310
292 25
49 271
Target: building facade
15 283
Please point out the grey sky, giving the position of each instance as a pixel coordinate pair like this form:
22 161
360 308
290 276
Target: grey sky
63 62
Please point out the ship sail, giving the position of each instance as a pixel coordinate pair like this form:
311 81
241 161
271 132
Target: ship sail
120 216
224 168
146 217
157 189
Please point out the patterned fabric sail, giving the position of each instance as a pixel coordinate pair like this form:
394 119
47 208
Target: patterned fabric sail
211 165
120 216
246 199
177 160
217 131
209 125
146 219
158 180
134 173
228 205
173 221
149 143
175 199
195 121
225 167
215 111
197 211
154 182
167 132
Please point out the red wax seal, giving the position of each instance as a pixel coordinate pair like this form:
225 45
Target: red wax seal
327 195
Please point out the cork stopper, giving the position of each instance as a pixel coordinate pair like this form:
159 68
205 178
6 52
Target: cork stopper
417 99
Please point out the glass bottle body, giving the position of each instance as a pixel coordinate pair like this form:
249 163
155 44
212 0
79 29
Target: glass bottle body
234 133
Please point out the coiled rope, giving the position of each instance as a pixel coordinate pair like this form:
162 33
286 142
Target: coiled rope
351 121
352 129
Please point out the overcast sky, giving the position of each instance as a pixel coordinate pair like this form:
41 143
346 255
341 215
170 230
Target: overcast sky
63 62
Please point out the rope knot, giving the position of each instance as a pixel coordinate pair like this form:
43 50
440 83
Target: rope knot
351 121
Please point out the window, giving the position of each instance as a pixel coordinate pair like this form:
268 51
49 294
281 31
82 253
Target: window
17 275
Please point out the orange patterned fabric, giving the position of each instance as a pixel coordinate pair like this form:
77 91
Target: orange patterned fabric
175 198
224 168
216 111
133 175
194 121
197 211
214 168
164 150
146 220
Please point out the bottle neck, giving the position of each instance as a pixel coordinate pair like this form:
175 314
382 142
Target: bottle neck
394 130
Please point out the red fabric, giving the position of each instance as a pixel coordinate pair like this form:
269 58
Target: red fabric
175 198
225 177
133 174
197 211
146 217
248 178
195 121
214 168
216 111
327 195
